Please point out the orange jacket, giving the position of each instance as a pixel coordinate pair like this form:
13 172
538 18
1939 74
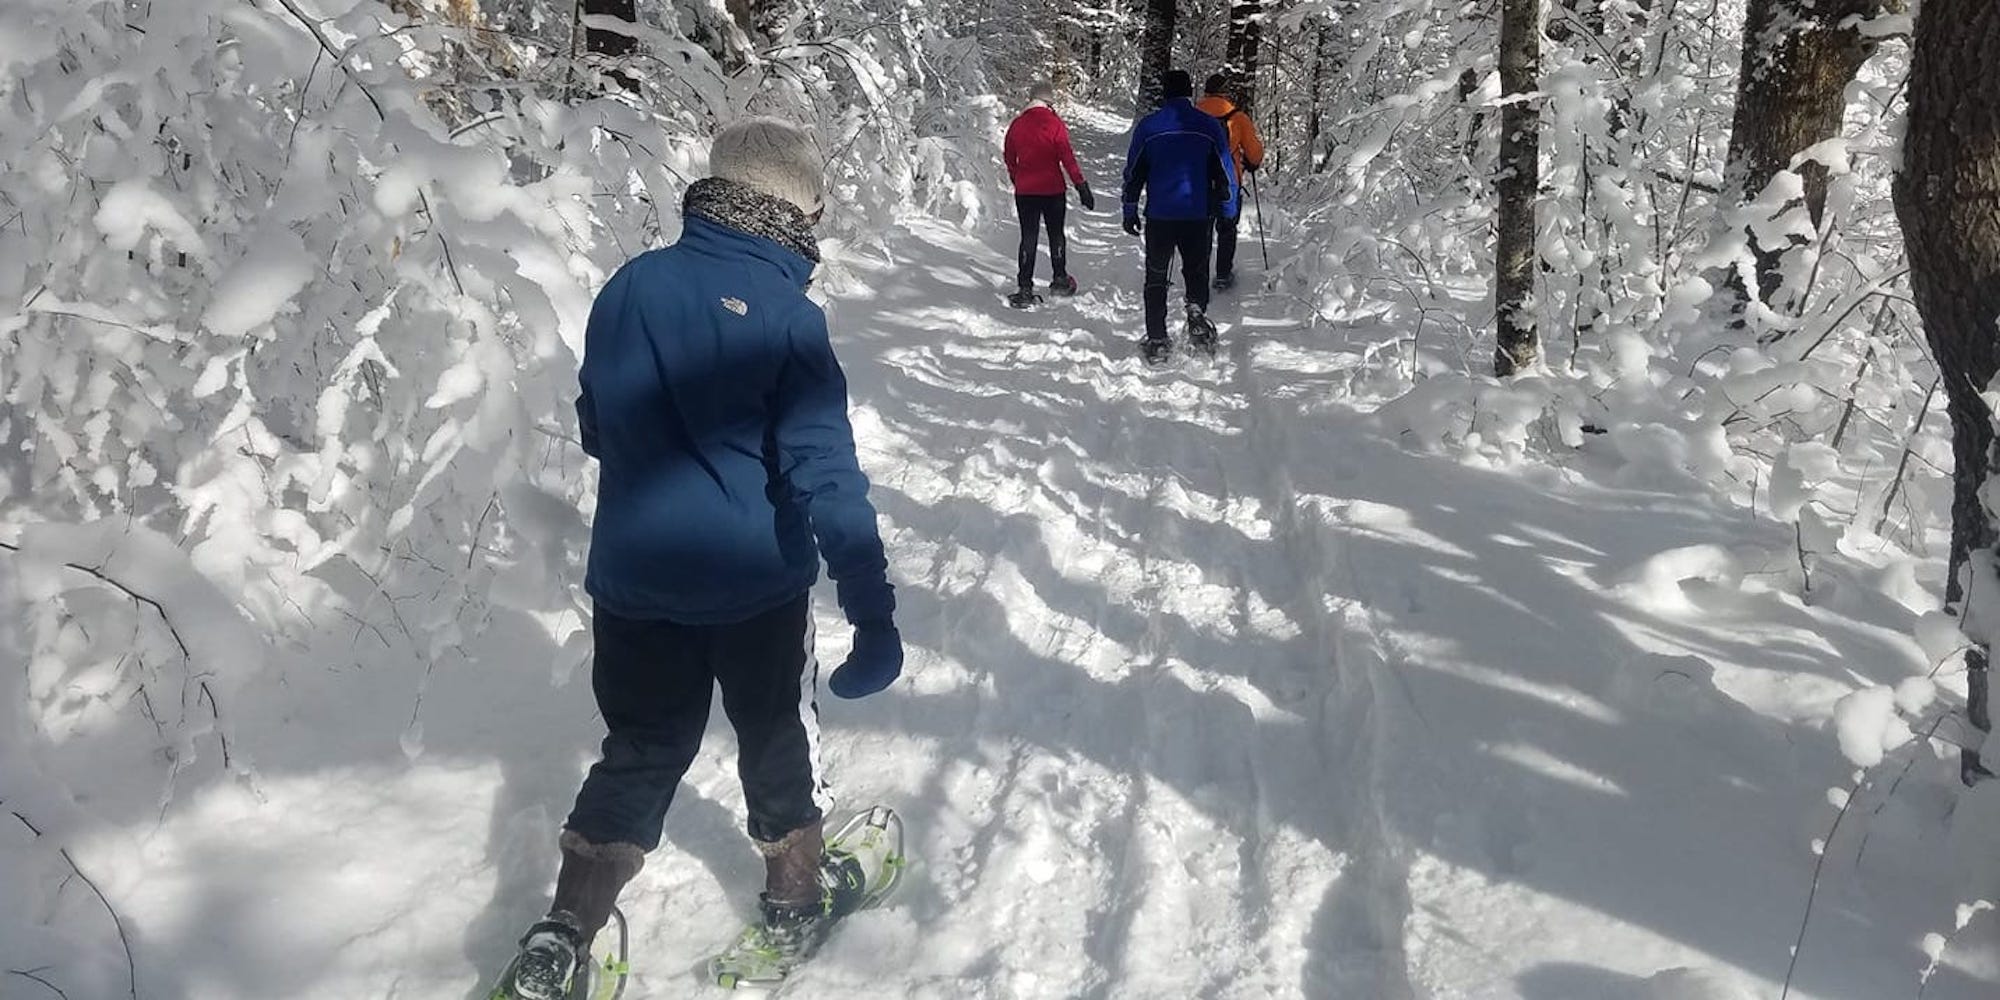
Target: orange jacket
1243 138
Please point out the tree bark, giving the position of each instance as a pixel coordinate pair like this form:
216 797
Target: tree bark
1948 200
1519 177
1246 41
1156 51
1322 67
1791 94
610 44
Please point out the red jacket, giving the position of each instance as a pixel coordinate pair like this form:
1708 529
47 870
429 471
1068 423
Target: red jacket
1038 152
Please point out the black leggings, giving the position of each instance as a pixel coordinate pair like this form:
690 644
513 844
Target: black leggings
1033 209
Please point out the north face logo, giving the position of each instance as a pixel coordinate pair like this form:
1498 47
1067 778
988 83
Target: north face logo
735 305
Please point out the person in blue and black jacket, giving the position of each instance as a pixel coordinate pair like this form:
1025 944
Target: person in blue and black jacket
1180 160
717 412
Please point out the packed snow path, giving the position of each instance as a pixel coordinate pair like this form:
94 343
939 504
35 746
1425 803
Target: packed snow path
1215 690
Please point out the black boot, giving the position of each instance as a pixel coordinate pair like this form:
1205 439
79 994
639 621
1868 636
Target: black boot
1201 329
587 887
551 953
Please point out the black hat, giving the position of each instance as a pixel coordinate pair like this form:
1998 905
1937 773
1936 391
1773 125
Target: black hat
1217 83
1176 83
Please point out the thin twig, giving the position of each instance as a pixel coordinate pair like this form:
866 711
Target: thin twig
131 966
1805 918
1903 464
340 60
29 974
215 708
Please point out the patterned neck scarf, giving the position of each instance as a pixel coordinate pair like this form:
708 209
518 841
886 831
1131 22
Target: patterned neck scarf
746 209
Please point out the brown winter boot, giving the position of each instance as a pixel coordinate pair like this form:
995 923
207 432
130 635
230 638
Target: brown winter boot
591 878
791 867
805 892
553 950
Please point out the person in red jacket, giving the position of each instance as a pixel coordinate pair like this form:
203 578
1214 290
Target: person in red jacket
1038 153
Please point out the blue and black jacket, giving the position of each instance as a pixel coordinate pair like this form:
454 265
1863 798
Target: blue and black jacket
718 414
1180 157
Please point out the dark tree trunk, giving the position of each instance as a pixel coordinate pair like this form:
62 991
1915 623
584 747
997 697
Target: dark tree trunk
1246 41
611 45
1791 94
1321 69
1519 176
1948 200
1156 51
603 42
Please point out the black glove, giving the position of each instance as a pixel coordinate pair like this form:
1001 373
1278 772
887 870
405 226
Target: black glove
1132 224
1083 195
1252 167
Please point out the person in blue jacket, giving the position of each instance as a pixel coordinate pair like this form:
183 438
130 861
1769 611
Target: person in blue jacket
1180 161
717 411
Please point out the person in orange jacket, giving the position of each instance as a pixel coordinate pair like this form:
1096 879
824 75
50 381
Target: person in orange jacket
1249 149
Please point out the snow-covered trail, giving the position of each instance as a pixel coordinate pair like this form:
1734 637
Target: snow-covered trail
1215 690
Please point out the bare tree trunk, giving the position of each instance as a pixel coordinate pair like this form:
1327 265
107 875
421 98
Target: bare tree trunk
1519 177
1246 40
604 42
1156 51
1316 94
1948 200
1791 94
612 45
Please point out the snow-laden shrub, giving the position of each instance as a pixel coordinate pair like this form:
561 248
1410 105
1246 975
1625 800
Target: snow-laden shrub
291 302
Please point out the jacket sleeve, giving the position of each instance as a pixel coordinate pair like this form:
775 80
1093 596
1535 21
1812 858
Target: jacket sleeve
597 336
1249 142
1135 170
815 446
1068 154
1011 148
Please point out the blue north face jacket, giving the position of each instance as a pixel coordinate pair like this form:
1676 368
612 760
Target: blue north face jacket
1180 157
718 414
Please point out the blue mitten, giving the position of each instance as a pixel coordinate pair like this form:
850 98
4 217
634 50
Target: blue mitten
875 663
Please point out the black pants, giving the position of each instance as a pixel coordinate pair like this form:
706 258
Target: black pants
1164 238
1225 245
1035 209
653 681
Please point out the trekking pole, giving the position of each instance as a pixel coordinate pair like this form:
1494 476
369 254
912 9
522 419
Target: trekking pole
1258 198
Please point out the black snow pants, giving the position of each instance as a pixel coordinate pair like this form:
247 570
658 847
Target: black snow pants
653 681
1035 210
1164 238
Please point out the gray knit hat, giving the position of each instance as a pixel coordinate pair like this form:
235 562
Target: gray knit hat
773 156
